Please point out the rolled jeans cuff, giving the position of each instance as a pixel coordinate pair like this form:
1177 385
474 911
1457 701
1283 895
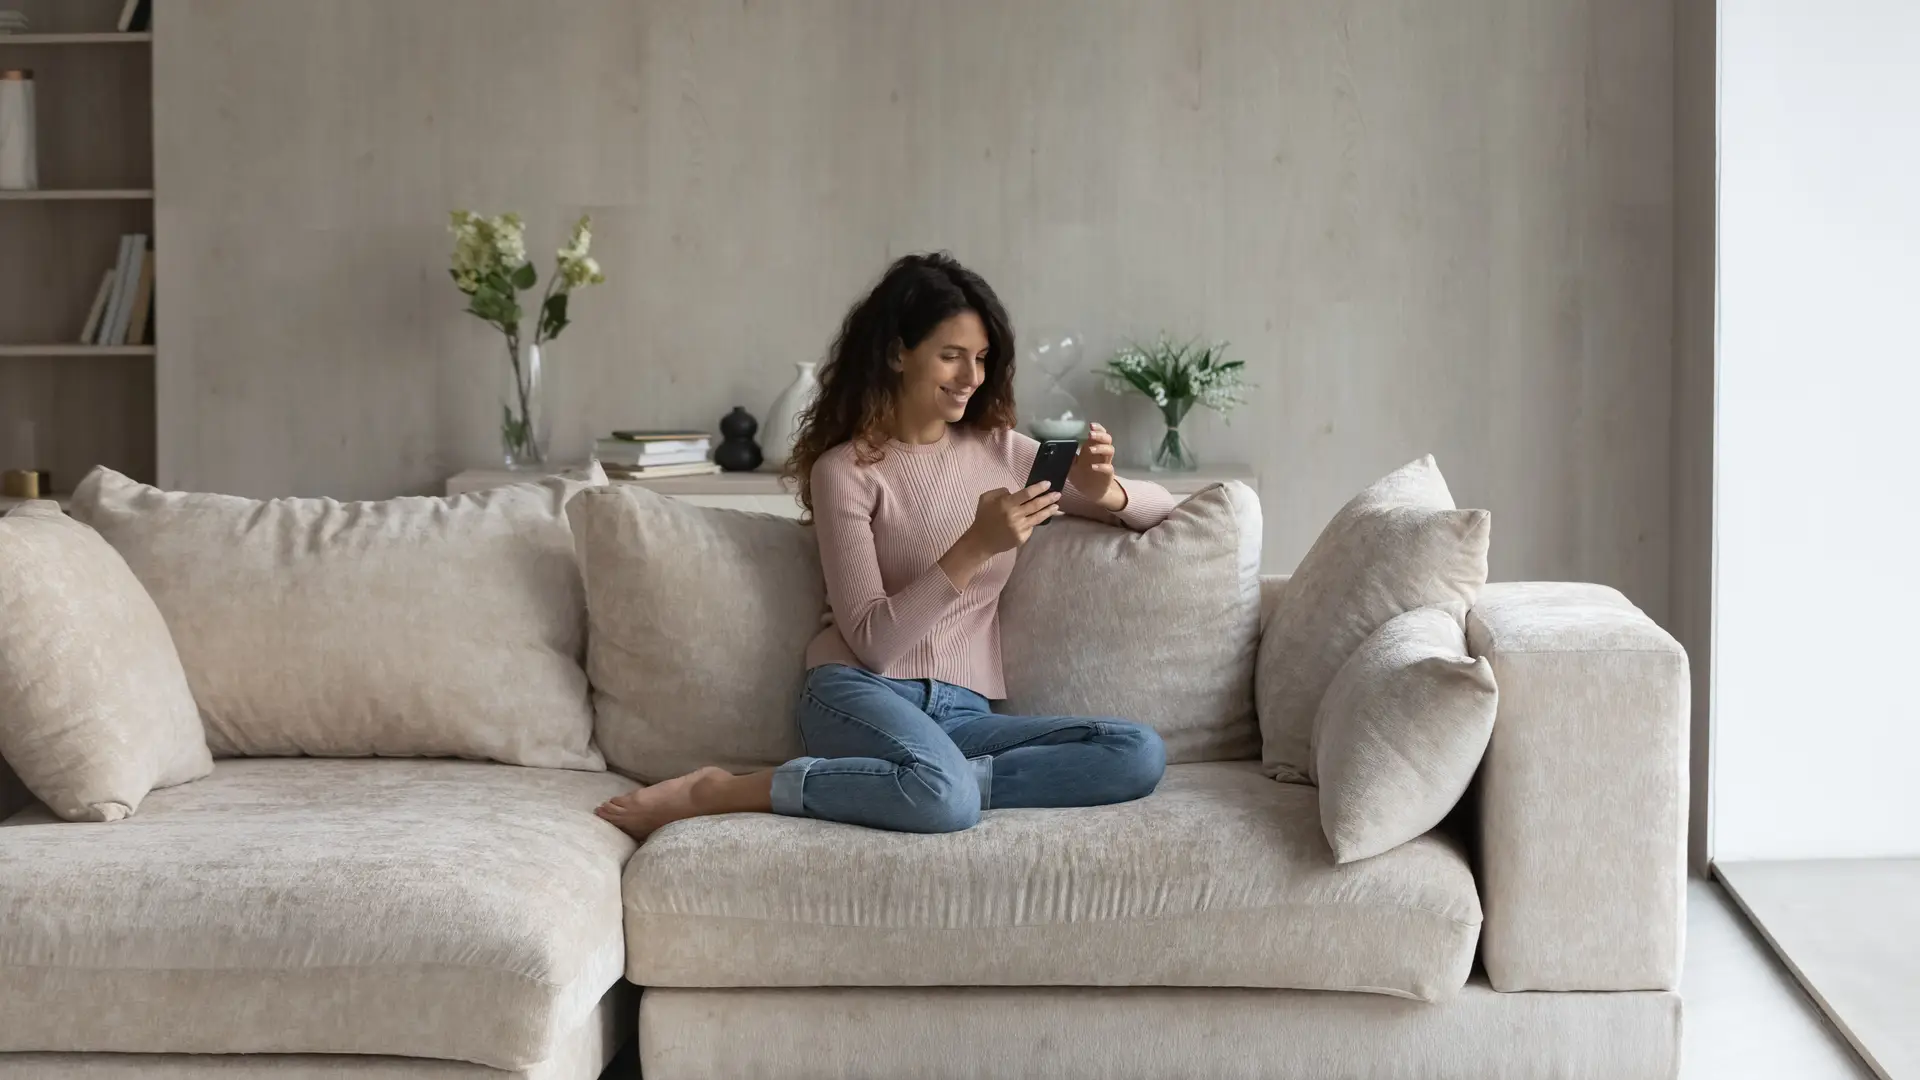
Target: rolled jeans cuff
789 787
982 774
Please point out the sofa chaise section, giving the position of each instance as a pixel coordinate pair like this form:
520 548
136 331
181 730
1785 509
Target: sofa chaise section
435 909
581 1054
1219 878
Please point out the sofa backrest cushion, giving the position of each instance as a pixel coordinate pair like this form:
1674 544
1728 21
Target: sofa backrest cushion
698 621
1401 732
94 706
1398 545
414 627
1159 627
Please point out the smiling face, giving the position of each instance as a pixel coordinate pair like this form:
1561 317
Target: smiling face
939 376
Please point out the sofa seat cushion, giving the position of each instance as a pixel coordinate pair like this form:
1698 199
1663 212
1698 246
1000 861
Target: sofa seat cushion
1220 878
439 909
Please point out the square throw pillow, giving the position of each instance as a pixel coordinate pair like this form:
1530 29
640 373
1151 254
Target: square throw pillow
414 627
1401 732
698 624
94 706
1159 627
1398 545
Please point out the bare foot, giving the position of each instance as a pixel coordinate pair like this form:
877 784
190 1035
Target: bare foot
642 810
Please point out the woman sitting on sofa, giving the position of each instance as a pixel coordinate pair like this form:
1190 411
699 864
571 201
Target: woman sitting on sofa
910 468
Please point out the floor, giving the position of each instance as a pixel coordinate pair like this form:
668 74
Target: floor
1851 929
1745 1017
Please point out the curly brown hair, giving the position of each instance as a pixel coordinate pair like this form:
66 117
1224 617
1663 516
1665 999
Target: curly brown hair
858 384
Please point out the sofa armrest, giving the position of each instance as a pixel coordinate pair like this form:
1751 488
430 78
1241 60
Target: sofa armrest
1583 791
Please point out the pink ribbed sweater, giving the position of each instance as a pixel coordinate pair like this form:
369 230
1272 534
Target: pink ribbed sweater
882 529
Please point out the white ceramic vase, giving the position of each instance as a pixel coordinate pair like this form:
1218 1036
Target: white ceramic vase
783 418
19 165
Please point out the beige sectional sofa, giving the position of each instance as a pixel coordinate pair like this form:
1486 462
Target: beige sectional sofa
389 916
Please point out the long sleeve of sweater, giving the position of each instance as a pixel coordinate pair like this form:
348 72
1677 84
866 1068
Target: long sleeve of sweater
878 627
1148 504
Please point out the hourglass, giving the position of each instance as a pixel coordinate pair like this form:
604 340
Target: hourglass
1056 413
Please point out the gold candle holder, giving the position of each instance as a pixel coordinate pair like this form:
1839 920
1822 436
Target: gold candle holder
20 484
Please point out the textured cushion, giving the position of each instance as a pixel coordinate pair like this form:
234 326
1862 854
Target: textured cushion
1152 1033
427 908
94 707
1583 793
1219 878
1159 627
1400 733
699 622
1273 589
1398 545
409 628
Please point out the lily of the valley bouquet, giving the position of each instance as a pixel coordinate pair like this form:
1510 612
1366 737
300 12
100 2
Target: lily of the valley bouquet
490 266
1176 377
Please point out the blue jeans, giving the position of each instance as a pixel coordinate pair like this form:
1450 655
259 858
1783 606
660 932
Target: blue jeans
920 755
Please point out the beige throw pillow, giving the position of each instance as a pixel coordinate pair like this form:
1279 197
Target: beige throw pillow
94 707
1398 545
414 627
1159 627
1400 733
699 621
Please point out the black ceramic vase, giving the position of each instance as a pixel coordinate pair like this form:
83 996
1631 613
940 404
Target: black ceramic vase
737 451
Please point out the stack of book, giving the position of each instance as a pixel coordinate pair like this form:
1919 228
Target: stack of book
648 455
123 306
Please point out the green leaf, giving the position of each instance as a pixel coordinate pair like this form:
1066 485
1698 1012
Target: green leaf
513 431
525 276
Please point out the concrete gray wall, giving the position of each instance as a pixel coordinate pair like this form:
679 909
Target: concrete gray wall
1426 227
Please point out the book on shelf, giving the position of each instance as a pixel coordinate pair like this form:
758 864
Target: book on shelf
628 461
136 264
142 303
678 452
99 308
660 436
658 472
124 306
103 334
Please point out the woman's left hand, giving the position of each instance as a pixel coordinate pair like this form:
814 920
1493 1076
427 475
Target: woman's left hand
1092 473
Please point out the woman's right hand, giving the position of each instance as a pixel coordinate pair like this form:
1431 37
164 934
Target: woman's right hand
1005 519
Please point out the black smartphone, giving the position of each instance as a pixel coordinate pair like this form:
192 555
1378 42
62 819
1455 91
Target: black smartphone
1052 463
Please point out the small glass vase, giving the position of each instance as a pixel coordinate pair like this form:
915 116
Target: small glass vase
526 430
1174 453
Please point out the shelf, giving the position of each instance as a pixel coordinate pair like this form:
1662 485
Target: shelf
109 38
76 350
8 502
76 195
